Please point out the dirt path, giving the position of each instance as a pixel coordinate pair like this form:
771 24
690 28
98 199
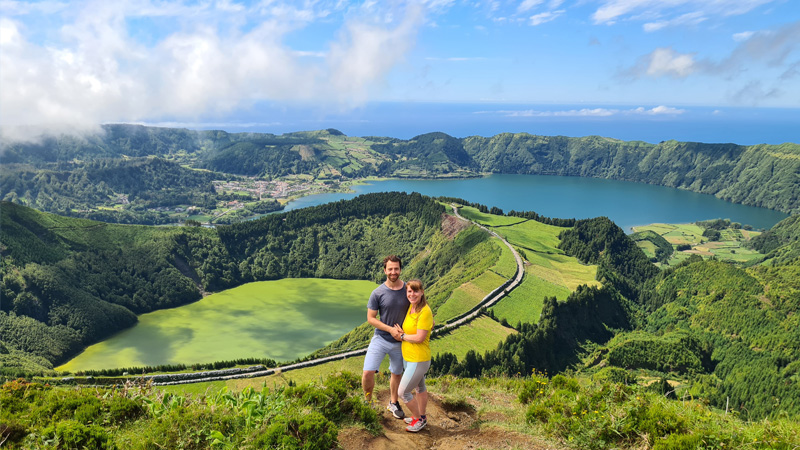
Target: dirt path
448 429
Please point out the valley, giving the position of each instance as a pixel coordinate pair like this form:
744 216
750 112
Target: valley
610 341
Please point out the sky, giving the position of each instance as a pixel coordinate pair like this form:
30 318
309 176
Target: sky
260 65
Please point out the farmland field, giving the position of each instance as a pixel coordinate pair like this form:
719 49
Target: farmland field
729 247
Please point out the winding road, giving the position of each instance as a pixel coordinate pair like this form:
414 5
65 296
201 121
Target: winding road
492 298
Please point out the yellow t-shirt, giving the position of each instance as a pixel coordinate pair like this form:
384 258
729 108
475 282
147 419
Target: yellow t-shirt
422 320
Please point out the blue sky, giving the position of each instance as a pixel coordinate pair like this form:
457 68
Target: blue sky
215 63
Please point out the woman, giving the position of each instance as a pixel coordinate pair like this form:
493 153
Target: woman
416 336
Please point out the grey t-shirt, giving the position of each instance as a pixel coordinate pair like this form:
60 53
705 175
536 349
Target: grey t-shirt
391 306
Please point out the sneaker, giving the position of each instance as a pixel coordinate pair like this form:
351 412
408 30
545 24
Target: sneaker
416 425
408 419
396 410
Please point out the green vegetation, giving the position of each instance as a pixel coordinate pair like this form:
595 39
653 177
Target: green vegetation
605 414
729 333
524 303
482 334
730 242
307 416
781 243
654 245
642 357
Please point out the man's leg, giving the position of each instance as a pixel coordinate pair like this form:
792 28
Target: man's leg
394 384
368 384
396 368
372 362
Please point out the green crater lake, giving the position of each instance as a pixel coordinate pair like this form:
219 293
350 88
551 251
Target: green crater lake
282 320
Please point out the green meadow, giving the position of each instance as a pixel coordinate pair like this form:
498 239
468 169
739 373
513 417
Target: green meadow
283 320
524 304
491 220
729 247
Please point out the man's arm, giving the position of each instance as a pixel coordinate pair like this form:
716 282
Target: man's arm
372 319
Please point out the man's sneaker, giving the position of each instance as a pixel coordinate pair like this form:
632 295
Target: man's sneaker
416 425
396 410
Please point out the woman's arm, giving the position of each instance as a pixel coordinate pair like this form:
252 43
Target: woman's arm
417 338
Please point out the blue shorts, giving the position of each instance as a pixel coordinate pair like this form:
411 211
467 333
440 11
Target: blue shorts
378 349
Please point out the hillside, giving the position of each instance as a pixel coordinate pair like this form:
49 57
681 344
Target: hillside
62 174
67 283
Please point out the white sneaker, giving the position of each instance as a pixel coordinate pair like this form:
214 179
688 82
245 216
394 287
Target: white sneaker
416 425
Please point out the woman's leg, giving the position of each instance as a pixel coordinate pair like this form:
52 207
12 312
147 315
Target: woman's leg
412 377
421 401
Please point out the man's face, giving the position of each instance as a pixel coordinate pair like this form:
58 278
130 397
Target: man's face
392 270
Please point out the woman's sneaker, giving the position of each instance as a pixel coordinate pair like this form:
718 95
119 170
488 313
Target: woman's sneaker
396 410
416 425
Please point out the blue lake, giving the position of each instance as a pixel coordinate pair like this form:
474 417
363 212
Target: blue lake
627 204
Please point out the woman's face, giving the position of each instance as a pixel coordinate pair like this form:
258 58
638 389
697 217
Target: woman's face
414 296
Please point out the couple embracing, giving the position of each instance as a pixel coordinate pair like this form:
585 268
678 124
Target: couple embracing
403 322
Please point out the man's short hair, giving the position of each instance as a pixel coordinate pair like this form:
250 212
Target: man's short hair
392 258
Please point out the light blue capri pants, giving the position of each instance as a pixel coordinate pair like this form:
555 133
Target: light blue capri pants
413 377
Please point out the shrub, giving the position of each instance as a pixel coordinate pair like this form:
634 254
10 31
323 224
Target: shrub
71 434
12 431
537 412
123 409
678 442
561 382
362 413
310 431
614 375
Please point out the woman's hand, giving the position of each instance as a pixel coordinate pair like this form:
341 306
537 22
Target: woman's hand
397 332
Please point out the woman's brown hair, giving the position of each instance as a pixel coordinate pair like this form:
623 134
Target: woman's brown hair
416 286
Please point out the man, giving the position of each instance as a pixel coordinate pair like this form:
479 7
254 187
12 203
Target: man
389 302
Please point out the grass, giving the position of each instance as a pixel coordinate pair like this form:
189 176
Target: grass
524 304
491 220
533 235
506 265
466 296
648 248
562 270
482 334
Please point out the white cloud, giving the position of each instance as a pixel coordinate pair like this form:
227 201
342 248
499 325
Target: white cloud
743 36
545 17
527 5
611 11
692 18
208 59
589 112
658 110
365 53
668 62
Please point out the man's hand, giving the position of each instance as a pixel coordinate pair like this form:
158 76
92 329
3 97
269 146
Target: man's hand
396 332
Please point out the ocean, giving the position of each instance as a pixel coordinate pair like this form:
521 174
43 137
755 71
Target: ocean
649 123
